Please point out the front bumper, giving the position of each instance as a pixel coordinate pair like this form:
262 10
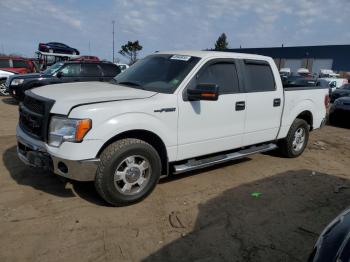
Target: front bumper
33 153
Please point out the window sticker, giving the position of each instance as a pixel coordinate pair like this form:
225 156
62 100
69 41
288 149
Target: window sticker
181 57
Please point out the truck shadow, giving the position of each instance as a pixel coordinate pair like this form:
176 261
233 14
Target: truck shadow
48 182
281 224
10 101
38 179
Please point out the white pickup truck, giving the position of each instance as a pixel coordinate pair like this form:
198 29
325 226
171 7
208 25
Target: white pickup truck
171 112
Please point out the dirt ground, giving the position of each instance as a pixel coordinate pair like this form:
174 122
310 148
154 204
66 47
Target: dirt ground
208 215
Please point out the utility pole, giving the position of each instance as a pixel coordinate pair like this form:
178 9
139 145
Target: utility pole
113 22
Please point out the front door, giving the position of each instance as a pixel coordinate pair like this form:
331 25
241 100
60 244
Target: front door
206 127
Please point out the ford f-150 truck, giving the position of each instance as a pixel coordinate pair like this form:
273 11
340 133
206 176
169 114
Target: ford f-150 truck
170 112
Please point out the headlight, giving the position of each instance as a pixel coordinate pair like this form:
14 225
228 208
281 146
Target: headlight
16 82
64 129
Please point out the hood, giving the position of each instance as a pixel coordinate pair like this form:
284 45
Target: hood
72 94
29 76
341 91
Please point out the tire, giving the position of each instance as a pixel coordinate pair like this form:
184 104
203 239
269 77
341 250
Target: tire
123 166
291 146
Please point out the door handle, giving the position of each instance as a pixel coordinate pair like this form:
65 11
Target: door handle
277 102
240 105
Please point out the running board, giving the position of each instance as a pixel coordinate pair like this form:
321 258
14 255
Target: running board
206 162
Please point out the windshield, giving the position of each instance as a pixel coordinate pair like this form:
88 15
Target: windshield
158 73
53 69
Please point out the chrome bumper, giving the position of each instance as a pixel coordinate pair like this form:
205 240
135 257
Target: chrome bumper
37 156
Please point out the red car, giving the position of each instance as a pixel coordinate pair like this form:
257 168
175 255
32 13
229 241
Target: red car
88 58
17 64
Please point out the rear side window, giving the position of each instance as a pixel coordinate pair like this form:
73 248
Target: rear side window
4 63
91 70
258 76
20 64
110 70
222 74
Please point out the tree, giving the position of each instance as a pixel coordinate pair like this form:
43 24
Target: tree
221 43
130 50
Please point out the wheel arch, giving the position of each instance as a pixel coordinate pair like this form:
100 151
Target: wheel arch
307 116
147 136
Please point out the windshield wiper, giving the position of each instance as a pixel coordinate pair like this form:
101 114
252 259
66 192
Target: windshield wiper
129 83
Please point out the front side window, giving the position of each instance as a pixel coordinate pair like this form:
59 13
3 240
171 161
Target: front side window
71 70
20 64
53 69
258 76
222 74
4 63
158 73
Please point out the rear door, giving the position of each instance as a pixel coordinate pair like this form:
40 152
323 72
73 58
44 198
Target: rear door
206 127
91 72
263 102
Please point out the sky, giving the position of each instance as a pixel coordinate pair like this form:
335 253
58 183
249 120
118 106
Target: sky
170 24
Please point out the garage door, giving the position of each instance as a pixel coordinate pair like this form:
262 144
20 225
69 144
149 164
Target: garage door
293 64
319 64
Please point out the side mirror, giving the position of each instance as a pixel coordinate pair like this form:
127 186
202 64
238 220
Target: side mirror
203 92
59 74
333 84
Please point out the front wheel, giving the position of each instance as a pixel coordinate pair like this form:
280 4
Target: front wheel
295 142
128 171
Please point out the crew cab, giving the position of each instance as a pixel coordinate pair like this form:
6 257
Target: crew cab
62 72
171 112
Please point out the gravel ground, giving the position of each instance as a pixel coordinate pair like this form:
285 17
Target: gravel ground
208 215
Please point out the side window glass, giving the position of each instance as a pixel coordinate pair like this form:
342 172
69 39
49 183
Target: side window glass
71 70
91 70
258 77
223 74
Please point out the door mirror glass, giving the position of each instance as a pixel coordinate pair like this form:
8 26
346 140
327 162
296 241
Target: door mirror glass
203 92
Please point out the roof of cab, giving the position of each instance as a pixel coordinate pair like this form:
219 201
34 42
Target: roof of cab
211 54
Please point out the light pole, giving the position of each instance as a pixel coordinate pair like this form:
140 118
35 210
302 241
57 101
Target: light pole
113 22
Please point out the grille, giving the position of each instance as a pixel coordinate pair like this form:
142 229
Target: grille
34 115
34 105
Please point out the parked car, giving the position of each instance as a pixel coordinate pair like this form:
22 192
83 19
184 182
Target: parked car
4 74
62 72
54 47
86 58
340 92
298 81
170 112
17 64
340 111
333 245
335 83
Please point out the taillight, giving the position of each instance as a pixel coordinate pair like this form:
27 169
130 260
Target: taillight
326 101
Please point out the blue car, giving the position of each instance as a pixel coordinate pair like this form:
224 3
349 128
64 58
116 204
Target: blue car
54 47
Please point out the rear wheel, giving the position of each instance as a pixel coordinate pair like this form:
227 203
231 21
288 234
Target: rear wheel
128 172
295 142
